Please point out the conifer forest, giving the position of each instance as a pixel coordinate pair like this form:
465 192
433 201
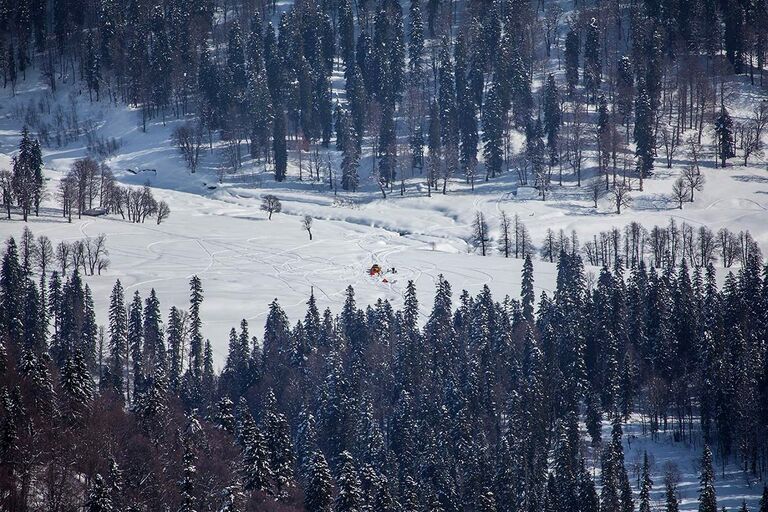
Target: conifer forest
383 256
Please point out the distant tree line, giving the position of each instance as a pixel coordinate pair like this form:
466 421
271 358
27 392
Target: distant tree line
474 403
659 247
88 188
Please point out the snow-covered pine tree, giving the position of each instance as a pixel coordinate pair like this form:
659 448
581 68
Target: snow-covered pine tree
467 121
625 89
527 294
279 446
493 117
256 471
153 337
724 133
572 53
707 493
278 143
175 334
118 331
349 495
99 499
646 484
188 483
552 118
195 325
77 385
593 72
415 42
350 154
318 493
644 125
27 179
671 503
135 342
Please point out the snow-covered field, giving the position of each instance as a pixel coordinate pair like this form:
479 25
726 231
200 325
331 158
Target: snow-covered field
216 230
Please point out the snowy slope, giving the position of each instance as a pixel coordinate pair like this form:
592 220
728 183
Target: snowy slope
217 231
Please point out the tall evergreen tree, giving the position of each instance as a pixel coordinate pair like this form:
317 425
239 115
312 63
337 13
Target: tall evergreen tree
175 335
349 497
135 342
592 65
527 294
572 53
552 118
256 469
279 145
195 326
99 499
118 333
724 134
707 493
318 496
415 42
644 125
645 486
493 131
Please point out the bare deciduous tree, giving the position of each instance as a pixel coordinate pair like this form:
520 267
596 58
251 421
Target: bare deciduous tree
680 191
137 203
102 265
620 196
67 194
694 179
6 190
670 140
84 176
596 189
95 251
62 256
271 204
728 242
694 147
163 211
749 141
306 225
44 254
522 167
480 232
576 139
505 241
77 255
543 182
189 139
551 20
523 243
106 184
760 121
